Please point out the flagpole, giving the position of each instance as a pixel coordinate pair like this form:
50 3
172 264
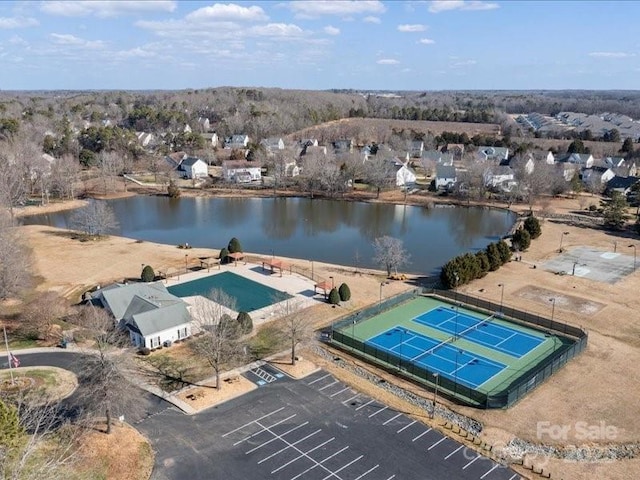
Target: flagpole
6 342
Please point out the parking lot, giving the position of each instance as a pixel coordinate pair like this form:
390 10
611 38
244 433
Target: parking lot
312 429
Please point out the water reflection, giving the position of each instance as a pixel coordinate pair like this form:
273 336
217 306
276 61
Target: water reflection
324 230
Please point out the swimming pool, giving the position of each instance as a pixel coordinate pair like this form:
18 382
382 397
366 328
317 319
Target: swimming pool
249 295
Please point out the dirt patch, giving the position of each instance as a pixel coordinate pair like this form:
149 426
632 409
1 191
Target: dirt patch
563 301
206 395
301 369
124 454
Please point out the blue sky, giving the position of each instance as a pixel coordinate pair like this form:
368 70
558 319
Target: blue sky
410 45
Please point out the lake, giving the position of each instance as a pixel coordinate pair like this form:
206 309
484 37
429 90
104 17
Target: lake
332 231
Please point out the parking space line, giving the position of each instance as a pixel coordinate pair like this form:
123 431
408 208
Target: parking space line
275 438
391 477
253 421
423 433
261 431
406 426
320 462
306 454
392 419
378 411
339 392
365 404
367 472
464 468
327 386
514 476
351 399
492 469
344 466
289 445
437 443
454 452
318 379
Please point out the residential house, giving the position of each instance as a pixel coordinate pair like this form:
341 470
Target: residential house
583 160
151 315
614 162
526 163
272 144
438 157
236 142
366 153
405 176
455 149
314 150
568 170
500 177
241 171
492 153
187 128
623 185
175 159
192 167
291 169
597 177
211 138
416 148
144 138
342 146
204 123
446 177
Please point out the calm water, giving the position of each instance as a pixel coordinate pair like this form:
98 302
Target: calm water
323 230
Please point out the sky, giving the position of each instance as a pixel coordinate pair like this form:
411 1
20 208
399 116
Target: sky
318 45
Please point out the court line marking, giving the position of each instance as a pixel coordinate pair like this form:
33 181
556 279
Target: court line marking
300 456
437 443
492 469
345 466
322 461
289 445
253 421
464 468
327 386
454 452
365 404
299 451
423 433
406 426
273 439
367 472
318 379
262 431
378 411
338 393
392 419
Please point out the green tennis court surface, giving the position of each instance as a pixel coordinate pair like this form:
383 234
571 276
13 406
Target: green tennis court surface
468 350
249 295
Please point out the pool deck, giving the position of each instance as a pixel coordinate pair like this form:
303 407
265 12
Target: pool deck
299 287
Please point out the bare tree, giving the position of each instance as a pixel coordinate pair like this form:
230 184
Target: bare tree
390 253
296 324
14 259
97 218
379 173
110 165
13 187
219 343
313 165
103 377
64 175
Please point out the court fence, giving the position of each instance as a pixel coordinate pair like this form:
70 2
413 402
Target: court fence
573 342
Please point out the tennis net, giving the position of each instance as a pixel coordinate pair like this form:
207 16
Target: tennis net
476 326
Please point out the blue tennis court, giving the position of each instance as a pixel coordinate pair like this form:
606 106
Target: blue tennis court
480 330
454 363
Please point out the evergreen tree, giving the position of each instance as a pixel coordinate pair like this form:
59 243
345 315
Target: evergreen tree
521 239
627 145
147 275
224 256
234 246
334 296
345 292
12 434
532 225
493 254
245 322
505 251
483 263
614 211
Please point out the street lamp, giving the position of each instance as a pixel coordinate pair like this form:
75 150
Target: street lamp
553 307
634 256
332 283
562 238
353 335
501 295
382 284
186 260
311 269
435 395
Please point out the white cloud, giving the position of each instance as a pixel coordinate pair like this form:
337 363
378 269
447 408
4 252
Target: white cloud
331 30
18 40
72 40
232 12
17 22
277 30
412 28
426 41
105 8
463 63
387 61
315 8
611 54
438 6
371 19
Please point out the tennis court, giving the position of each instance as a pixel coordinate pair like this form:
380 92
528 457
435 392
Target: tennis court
457 364
480 330
248 295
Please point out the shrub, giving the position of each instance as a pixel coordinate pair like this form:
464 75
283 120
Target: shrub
245 322
224 256
144 351
172 190
334 296
493 254
147 275
345 292
532 225
505 251
521 239
234 246
593 207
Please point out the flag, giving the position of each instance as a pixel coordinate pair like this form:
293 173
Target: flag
15 363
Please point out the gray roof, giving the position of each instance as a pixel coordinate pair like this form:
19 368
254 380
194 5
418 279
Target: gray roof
190 161
154 321
119 298
445 171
